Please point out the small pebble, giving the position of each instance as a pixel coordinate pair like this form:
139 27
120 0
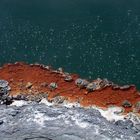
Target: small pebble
126 104
29 85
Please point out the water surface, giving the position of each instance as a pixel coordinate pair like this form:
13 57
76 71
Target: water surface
94 38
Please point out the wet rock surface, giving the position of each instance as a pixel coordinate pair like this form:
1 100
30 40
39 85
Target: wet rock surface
33 121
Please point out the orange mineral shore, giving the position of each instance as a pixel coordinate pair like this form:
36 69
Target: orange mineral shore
34 79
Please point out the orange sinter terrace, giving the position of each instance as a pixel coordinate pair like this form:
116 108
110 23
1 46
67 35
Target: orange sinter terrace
34 79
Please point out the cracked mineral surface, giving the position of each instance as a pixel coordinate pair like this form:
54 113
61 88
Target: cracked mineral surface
34 121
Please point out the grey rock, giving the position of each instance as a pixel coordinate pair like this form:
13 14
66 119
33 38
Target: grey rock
91 87
137 126
3 83
58 100
128 124
68 78
125 87
107 82
37 98
126 103
82 83
20 97
13 113
60 70
53 86
40 122
115 86
4 92
78 81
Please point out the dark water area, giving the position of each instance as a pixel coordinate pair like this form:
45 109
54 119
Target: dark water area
95 38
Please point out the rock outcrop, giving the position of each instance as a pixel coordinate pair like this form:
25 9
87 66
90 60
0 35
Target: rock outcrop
33 121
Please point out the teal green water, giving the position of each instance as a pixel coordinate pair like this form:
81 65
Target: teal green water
95 38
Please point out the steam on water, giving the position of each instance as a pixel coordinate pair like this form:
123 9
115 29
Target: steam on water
94 39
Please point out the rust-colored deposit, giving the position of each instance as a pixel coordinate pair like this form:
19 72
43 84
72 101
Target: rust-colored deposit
20 75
